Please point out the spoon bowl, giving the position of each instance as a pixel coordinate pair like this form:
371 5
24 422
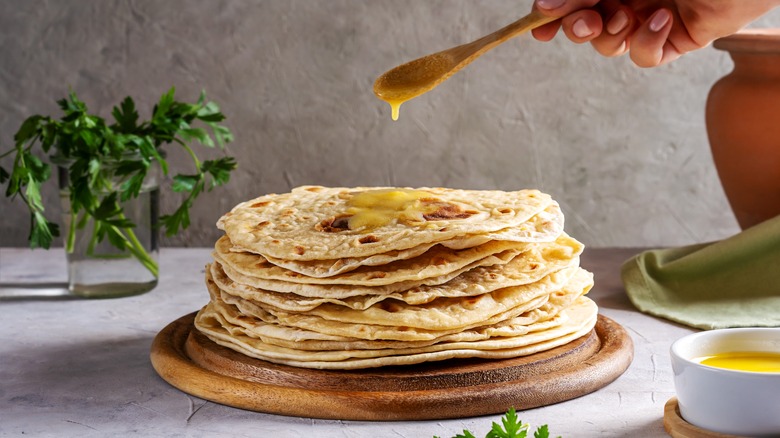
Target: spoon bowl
414 78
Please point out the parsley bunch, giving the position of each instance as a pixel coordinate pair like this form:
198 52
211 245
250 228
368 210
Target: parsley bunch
97 154
511 427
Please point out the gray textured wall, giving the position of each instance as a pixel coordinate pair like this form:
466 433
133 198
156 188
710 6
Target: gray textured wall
623 149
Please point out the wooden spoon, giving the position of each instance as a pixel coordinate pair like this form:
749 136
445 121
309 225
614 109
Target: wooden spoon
416 77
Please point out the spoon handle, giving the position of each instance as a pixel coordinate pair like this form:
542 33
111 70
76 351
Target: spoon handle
474 49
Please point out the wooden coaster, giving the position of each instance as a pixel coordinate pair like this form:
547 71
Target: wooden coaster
191 362
677 427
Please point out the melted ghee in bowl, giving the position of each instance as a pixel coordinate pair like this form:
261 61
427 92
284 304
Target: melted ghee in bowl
755 361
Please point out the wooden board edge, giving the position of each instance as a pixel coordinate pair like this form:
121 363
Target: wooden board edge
428 375
172 364
676 426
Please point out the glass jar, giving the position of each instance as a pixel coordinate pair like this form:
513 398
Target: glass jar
97 268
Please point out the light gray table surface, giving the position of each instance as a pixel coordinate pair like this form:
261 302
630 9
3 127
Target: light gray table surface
81 367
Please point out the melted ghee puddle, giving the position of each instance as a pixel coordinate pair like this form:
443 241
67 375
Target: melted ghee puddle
761 362
376 208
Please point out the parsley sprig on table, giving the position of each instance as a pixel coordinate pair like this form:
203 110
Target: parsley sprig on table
98 154
510 427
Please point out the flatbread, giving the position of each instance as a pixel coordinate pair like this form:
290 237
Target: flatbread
436 262
296 338
297 225
447 313
544 227
579 285
346 290
525 268
582 319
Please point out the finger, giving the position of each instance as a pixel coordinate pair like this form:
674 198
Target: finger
560 8
613 41
649 44
582 26
546 32
556 8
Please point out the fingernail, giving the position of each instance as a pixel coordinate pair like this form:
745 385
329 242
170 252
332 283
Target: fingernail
550 4
617 23
659 20
581 29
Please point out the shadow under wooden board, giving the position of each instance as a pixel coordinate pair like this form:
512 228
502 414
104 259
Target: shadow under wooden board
191 362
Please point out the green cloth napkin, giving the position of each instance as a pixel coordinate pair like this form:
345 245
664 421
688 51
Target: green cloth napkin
730 283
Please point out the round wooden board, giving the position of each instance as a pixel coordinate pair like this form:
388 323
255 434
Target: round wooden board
677 427
189 361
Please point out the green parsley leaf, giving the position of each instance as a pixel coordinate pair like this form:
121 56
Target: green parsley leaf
542 432
185 183
219 170
28 130
180 219
510 427
166 101
42 232
126 116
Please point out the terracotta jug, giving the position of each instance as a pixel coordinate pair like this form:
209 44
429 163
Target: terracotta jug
743 125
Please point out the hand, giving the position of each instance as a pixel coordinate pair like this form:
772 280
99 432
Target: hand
652 32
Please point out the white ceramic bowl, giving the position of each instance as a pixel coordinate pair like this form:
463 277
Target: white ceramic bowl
722 400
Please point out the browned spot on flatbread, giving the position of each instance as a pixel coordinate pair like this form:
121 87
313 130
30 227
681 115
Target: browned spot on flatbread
261 225
389 306
300 250
444 211
260 204
334 224
314 189
438 261
373 275
368 239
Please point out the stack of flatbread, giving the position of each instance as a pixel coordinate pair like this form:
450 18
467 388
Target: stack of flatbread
348 278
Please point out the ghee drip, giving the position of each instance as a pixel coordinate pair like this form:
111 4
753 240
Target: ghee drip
762 362
395 107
